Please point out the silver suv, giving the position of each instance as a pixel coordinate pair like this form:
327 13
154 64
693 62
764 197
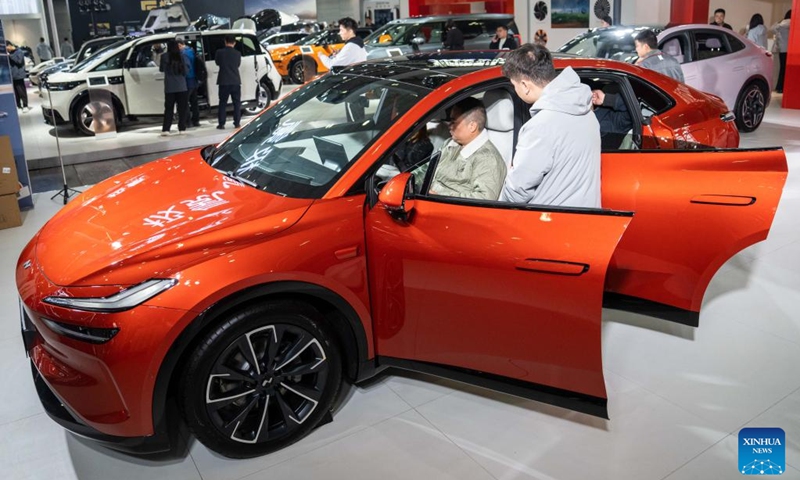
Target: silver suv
426 34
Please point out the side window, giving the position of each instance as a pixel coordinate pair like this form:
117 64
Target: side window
651 100
112 63
148 55
735 43
710 45
433 32
675 47
247 46
470 28
212 44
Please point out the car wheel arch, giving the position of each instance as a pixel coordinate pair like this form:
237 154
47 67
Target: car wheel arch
345 322
118 106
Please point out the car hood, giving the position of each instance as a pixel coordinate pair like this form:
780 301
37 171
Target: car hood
64 77
155 220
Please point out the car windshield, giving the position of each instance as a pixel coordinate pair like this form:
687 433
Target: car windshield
614 44
300 147
393 34
99 55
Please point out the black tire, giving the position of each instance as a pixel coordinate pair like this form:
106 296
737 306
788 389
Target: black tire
244 408
751 106
87 115
263 99
296 70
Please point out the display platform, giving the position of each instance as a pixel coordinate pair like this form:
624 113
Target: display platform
133 139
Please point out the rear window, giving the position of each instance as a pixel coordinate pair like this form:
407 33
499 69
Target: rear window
710 45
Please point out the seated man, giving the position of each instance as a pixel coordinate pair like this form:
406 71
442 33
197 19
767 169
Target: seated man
612 114
470 166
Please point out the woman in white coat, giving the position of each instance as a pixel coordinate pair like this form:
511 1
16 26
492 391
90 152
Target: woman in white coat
757 32
781 31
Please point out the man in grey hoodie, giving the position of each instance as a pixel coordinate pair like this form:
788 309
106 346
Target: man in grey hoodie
652 58
557 161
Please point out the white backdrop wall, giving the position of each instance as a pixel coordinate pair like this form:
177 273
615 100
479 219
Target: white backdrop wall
332 10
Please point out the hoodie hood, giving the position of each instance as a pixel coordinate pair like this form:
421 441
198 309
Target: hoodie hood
565 94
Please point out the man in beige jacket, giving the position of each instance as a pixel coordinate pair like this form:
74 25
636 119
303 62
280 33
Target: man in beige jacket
470 166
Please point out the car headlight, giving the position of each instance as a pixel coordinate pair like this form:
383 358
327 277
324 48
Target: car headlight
124 300
63 86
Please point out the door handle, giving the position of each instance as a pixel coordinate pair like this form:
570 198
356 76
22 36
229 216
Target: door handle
554 267
729 200
345 253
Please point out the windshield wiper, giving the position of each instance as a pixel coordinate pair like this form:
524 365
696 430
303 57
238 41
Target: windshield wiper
232 175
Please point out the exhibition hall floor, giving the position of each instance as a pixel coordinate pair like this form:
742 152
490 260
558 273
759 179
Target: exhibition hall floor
677 396
134 138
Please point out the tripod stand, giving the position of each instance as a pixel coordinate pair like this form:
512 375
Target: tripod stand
66 192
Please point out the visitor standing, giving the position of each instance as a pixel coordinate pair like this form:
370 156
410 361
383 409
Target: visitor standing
66 48
228 60
719 19
44 51
781 31
174 65
191 82
16 58
757 32
454 39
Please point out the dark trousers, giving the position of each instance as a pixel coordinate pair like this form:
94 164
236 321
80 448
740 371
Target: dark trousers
782 57
170 99
20 93
193 108
235 93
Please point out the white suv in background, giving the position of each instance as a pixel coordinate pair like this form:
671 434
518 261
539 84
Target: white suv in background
126 78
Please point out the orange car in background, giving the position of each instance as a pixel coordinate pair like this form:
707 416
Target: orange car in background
300 61
243 283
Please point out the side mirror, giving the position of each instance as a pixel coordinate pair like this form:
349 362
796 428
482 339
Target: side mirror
396 196
208 152
418 40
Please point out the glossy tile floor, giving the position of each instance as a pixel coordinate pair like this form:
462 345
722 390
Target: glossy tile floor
134 138
677 395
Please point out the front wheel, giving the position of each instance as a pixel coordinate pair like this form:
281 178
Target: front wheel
750 107
261 380
263 99
93 117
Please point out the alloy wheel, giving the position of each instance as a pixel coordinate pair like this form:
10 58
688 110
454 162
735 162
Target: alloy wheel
753 107
266 383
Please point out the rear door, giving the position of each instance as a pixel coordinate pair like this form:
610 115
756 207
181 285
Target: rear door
250 70
694 210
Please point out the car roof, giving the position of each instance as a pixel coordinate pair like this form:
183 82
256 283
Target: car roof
432 70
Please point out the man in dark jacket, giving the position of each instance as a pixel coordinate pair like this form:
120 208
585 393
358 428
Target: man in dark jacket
614 118
719 19
454 39
502 40
654 59
17 59
230 84
191 82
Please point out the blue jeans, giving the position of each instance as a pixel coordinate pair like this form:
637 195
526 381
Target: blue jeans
235 93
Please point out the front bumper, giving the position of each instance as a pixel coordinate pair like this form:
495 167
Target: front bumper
59 412
50 114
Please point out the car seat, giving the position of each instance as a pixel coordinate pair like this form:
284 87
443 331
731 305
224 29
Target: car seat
673 49
500 121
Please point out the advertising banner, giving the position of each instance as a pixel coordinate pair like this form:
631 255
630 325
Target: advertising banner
9 123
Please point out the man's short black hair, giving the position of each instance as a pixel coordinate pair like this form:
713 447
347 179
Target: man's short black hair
530 62
608 19
41 39
348 23
647 37
503 27
719 10
471 108
66 39
229 39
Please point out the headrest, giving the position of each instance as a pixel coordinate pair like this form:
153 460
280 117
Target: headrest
672 48
713 43
499 110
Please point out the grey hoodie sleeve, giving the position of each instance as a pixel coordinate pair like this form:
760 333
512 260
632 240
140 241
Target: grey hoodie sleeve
532 161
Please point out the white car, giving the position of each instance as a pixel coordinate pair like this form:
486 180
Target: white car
713 59
126 79
33 73
282 39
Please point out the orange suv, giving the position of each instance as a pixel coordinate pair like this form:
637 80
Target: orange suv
300 61
235 288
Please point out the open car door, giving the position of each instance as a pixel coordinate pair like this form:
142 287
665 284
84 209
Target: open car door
694 210
505 296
